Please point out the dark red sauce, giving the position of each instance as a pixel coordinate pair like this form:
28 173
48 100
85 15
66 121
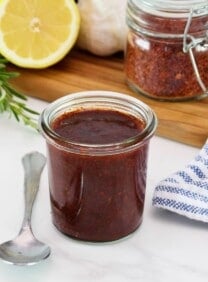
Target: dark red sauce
97 197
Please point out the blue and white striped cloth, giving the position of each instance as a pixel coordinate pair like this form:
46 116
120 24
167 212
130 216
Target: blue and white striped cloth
186 191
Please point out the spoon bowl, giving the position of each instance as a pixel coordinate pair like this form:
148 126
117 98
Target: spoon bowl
20 251
25 249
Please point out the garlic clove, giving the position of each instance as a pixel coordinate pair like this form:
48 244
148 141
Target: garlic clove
103 28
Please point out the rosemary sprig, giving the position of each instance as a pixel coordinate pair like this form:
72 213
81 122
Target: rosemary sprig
12 101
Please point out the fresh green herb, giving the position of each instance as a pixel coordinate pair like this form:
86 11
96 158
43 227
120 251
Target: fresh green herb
12 101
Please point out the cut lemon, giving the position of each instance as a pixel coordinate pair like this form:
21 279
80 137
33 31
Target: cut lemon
37 33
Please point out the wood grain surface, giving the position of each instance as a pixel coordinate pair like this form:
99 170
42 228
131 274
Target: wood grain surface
186 122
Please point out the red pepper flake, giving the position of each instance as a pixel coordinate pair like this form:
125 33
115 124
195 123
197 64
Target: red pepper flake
159 68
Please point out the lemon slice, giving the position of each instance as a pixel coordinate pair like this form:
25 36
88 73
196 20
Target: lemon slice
37 33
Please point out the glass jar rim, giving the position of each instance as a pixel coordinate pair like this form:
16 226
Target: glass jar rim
170 8
59 107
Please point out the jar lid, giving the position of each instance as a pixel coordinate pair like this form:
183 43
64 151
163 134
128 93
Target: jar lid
171 8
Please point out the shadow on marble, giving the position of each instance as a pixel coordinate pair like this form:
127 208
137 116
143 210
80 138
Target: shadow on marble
168 216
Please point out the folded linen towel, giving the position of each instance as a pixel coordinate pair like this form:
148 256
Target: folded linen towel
186 191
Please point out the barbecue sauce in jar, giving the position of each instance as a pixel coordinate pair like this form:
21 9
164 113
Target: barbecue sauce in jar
97 163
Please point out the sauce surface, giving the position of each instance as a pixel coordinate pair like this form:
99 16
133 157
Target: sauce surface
97 126
97 197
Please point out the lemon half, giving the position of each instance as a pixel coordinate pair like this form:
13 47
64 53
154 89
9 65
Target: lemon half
37 33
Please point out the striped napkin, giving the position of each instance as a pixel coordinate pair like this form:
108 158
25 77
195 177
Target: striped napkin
186 191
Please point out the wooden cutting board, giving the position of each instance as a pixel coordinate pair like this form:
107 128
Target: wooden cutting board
186 122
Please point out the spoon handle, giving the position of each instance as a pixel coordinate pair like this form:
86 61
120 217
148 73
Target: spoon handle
33 164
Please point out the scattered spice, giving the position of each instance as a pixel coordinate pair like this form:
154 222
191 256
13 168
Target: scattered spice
158 67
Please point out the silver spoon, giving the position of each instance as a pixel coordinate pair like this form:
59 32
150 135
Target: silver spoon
25 248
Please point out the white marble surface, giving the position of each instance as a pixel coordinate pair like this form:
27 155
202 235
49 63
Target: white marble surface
167 247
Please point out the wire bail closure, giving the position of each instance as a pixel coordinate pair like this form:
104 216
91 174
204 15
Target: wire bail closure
190 42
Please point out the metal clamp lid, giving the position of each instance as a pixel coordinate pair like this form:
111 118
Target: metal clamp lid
190 42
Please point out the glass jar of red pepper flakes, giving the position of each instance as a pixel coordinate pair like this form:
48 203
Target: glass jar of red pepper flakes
167 48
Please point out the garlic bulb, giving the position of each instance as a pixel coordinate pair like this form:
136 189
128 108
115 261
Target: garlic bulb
103 28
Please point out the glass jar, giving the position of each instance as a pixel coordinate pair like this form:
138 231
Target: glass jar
167 48
97 190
